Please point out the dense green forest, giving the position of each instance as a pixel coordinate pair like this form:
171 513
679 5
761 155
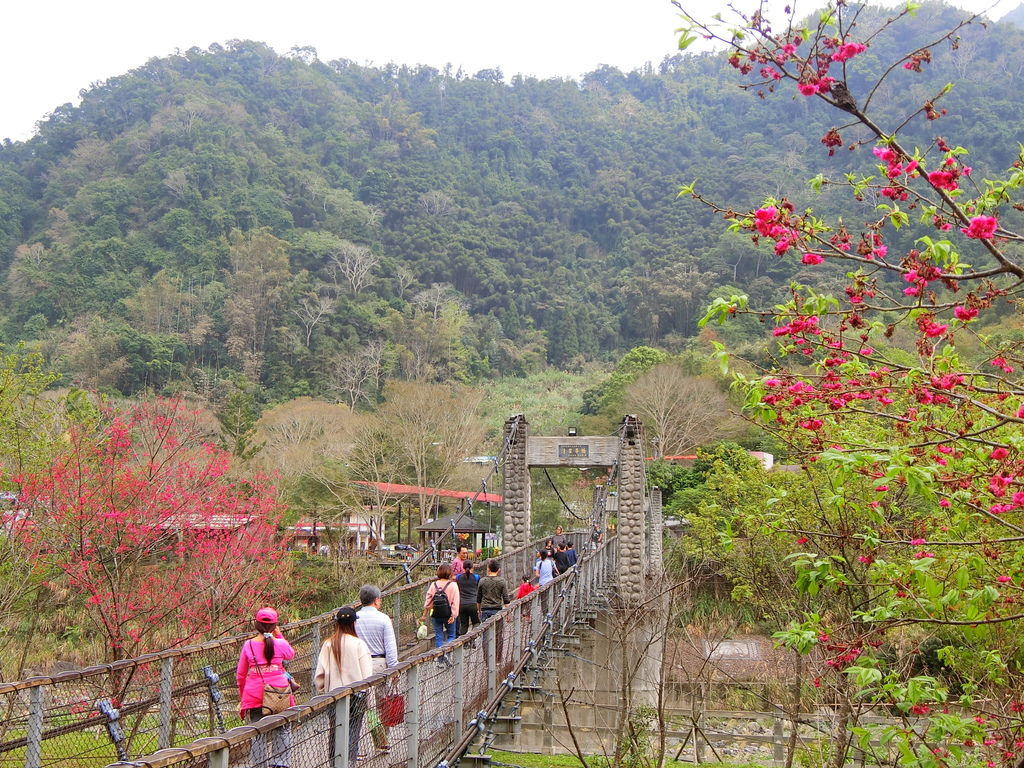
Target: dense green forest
234 218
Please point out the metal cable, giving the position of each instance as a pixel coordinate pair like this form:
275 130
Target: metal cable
559 495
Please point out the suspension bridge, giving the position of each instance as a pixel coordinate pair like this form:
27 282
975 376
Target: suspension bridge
443 706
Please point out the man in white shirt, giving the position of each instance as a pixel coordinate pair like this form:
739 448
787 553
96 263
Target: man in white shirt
376 630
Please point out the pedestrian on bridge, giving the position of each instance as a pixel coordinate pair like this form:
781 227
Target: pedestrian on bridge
526 587
559 539
492 591
376 630
546 568
345 659
561 558
442 605
261 665
469 615
458 563
493 596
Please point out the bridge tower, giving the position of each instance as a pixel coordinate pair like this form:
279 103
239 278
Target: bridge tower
632 525
516 489
639 516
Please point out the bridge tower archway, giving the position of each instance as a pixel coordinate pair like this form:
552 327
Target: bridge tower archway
639 514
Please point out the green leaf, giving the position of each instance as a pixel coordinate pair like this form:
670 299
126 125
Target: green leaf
721 354
686 40
722 309
864 677
898 218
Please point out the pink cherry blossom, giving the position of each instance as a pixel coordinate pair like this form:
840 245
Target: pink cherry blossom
981 227
764 220
813 258
848 50
943 179
885 154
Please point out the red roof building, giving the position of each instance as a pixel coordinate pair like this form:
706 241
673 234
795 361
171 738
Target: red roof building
397 489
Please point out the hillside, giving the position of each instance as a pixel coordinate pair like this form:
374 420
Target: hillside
316 227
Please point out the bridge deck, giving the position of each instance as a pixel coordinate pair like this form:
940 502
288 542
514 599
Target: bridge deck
179 696
434 704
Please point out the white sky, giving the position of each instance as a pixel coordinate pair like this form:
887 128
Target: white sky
49 50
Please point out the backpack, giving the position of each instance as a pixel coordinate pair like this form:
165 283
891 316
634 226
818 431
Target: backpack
440 608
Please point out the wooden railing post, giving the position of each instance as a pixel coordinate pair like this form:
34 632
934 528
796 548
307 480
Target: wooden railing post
314 656
414 717
492 657
342 711
34 748
219 759
458 696
163 739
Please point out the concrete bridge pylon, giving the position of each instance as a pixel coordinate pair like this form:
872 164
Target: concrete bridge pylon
639 522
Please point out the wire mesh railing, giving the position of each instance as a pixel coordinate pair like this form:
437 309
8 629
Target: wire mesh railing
424 709
92 716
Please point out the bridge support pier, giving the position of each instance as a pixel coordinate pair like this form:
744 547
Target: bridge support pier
615 669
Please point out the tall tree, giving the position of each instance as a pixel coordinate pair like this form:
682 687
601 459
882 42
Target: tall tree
256 285
680 412
353 263
433 427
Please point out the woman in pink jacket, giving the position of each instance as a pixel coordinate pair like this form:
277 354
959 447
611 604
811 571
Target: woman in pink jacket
262 663
444 611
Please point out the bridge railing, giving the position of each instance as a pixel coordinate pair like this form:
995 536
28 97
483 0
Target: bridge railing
427 705
140 705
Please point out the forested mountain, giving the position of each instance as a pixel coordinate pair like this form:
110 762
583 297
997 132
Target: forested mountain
316 227
1016 16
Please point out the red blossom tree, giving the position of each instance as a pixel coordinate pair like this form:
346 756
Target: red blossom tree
905 413
142 517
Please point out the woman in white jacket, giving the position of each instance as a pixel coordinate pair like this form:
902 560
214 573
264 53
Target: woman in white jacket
345 659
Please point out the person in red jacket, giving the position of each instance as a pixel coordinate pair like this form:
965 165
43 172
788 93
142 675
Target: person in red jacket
525 588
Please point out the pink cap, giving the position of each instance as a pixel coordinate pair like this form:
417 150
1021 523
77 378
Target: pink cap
267 615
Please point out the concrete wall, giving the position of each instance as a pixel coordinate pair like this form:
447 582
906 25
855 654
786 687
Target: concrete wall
589 678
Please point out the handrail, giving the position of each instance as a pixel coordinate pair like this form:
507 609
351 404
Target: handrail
186 650
319 718
164 689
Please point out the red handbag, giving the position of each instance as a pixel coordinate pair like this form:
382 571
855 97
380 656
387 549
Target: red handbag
392 710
